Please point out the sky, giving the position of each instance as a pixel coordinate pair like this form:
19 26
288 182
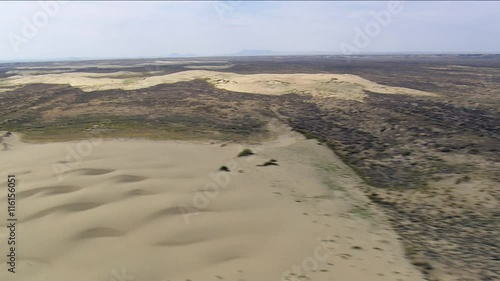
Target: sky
54 30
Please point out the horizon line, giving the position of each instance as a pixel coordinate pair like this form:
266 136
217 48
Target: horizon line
82 59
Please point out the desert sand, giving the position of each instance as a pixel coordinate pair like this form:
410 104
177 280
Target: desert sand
110 210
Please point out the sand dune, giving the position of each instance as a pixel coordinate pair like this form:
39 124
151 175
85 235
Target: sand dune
342 86
157 211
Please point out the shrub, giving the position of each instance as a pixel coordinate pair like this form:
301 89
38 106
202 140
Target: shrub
245 152
224 169
271 162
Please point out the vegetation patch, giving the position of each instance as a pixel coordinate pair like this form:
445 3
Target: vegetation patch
363 212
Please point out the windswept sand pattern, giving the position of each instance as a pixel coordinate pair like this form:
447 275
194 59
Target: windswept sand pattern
98 232
91 172
128 178
48 190
66 208
129 205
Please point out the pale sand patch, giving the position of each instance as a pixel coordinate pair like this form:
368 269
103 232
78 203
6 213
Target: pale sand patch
6 89
76 65
209 67
117 208
343 86
178 62
72 66
28 72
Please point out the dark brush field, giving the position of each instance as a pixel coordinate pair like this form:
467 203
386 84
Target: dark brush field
432 163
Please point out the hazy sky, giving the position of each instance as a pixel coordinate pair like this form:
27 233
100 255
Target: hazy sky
155 29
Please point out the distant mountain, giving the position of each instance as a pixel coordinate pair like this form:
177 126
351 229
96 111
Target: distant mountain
251 53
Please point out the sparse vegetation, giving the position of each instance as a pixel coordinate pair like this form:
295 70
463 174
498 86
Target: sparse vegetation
394 142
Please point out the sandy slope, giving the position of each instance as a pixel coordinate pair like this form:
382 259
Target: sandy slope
123 210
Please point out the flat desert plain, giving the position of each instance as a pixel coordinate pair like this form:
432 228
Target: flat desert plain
115 209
